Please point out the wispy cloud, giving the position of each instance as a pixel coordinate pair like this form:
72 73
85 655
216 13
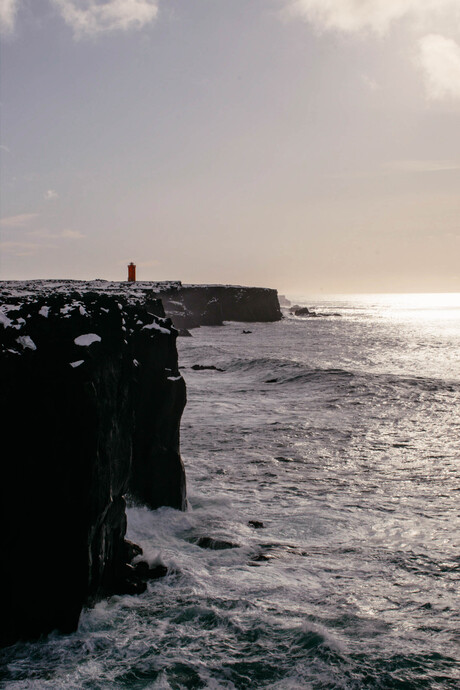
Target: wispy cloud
8 9
439 58
63 234
93 17
90 17
23 220
72 234
51 195
370 15
20 248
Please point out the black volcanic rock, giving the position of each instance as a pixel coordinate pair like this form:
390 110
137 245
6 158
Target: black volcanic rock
90 402
190 306
256 524
145 572
205 367
215 544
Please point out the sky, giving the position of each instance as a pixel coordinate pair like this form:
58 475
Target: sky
308 145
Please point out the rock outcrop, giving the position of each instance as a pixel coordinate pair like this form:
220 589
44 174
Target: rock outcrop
283 300
190 306
90 402
309 313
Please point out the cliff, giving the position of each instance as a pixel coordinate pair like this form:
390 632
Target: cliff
190 306
90 403
90 400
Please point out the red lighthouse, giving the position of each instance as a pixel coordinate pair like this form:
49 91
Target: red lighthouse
131 272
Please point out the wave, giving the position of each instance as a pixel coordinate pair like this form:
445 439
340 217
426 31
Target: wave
284 371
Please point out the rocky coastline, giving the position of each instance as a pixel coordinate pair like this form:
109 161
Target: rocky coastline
91 398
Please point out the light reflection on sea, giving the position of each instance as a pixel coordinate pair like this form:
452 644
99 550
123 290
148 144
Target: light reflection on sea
417 334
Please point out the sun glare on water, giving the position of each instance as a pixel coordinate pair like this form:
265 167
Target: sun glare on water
421 306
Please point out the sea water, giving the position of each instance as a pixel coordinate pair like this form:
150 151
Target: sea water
340 434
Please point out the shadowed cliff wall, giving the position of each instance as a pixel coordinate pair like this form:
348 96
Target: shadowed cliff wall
190 306
90 401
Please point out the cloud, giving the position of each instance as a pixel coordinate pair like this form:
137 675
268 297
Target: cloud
439 58
370 15
90 17
72 234
93 17
63 234
50 195
426 20
370 83
19 248
8 9
20 221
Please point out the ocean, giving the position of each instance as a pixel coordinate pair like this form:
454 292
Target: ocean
321 545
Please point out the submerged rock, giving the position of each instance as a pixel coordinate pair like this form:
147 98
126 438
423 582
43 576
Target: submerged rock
215 544
145 572
204 367
305 311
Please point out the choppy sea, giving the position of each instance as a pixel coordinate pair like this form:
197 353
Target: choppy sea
341 435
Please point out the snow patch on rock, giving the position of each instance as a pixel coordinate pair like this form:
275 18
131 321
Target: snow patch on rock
156 327
26 342
87 339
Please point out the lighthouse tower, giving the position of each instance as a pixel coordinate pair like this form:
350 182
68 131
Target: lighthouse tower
131 272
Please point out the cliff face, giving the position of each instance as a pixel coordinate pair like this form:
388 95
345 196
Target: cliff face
190 306
90 400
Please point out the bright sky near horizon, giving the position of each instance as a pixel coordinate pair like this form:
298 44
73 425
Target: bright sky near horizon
307 145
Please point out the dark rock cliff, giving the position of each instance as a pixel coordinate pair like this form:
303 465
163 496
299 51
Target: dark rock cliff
90 403
190 306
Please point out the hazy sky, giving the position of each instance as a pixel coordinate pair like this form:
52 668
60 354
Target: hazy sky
307 145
